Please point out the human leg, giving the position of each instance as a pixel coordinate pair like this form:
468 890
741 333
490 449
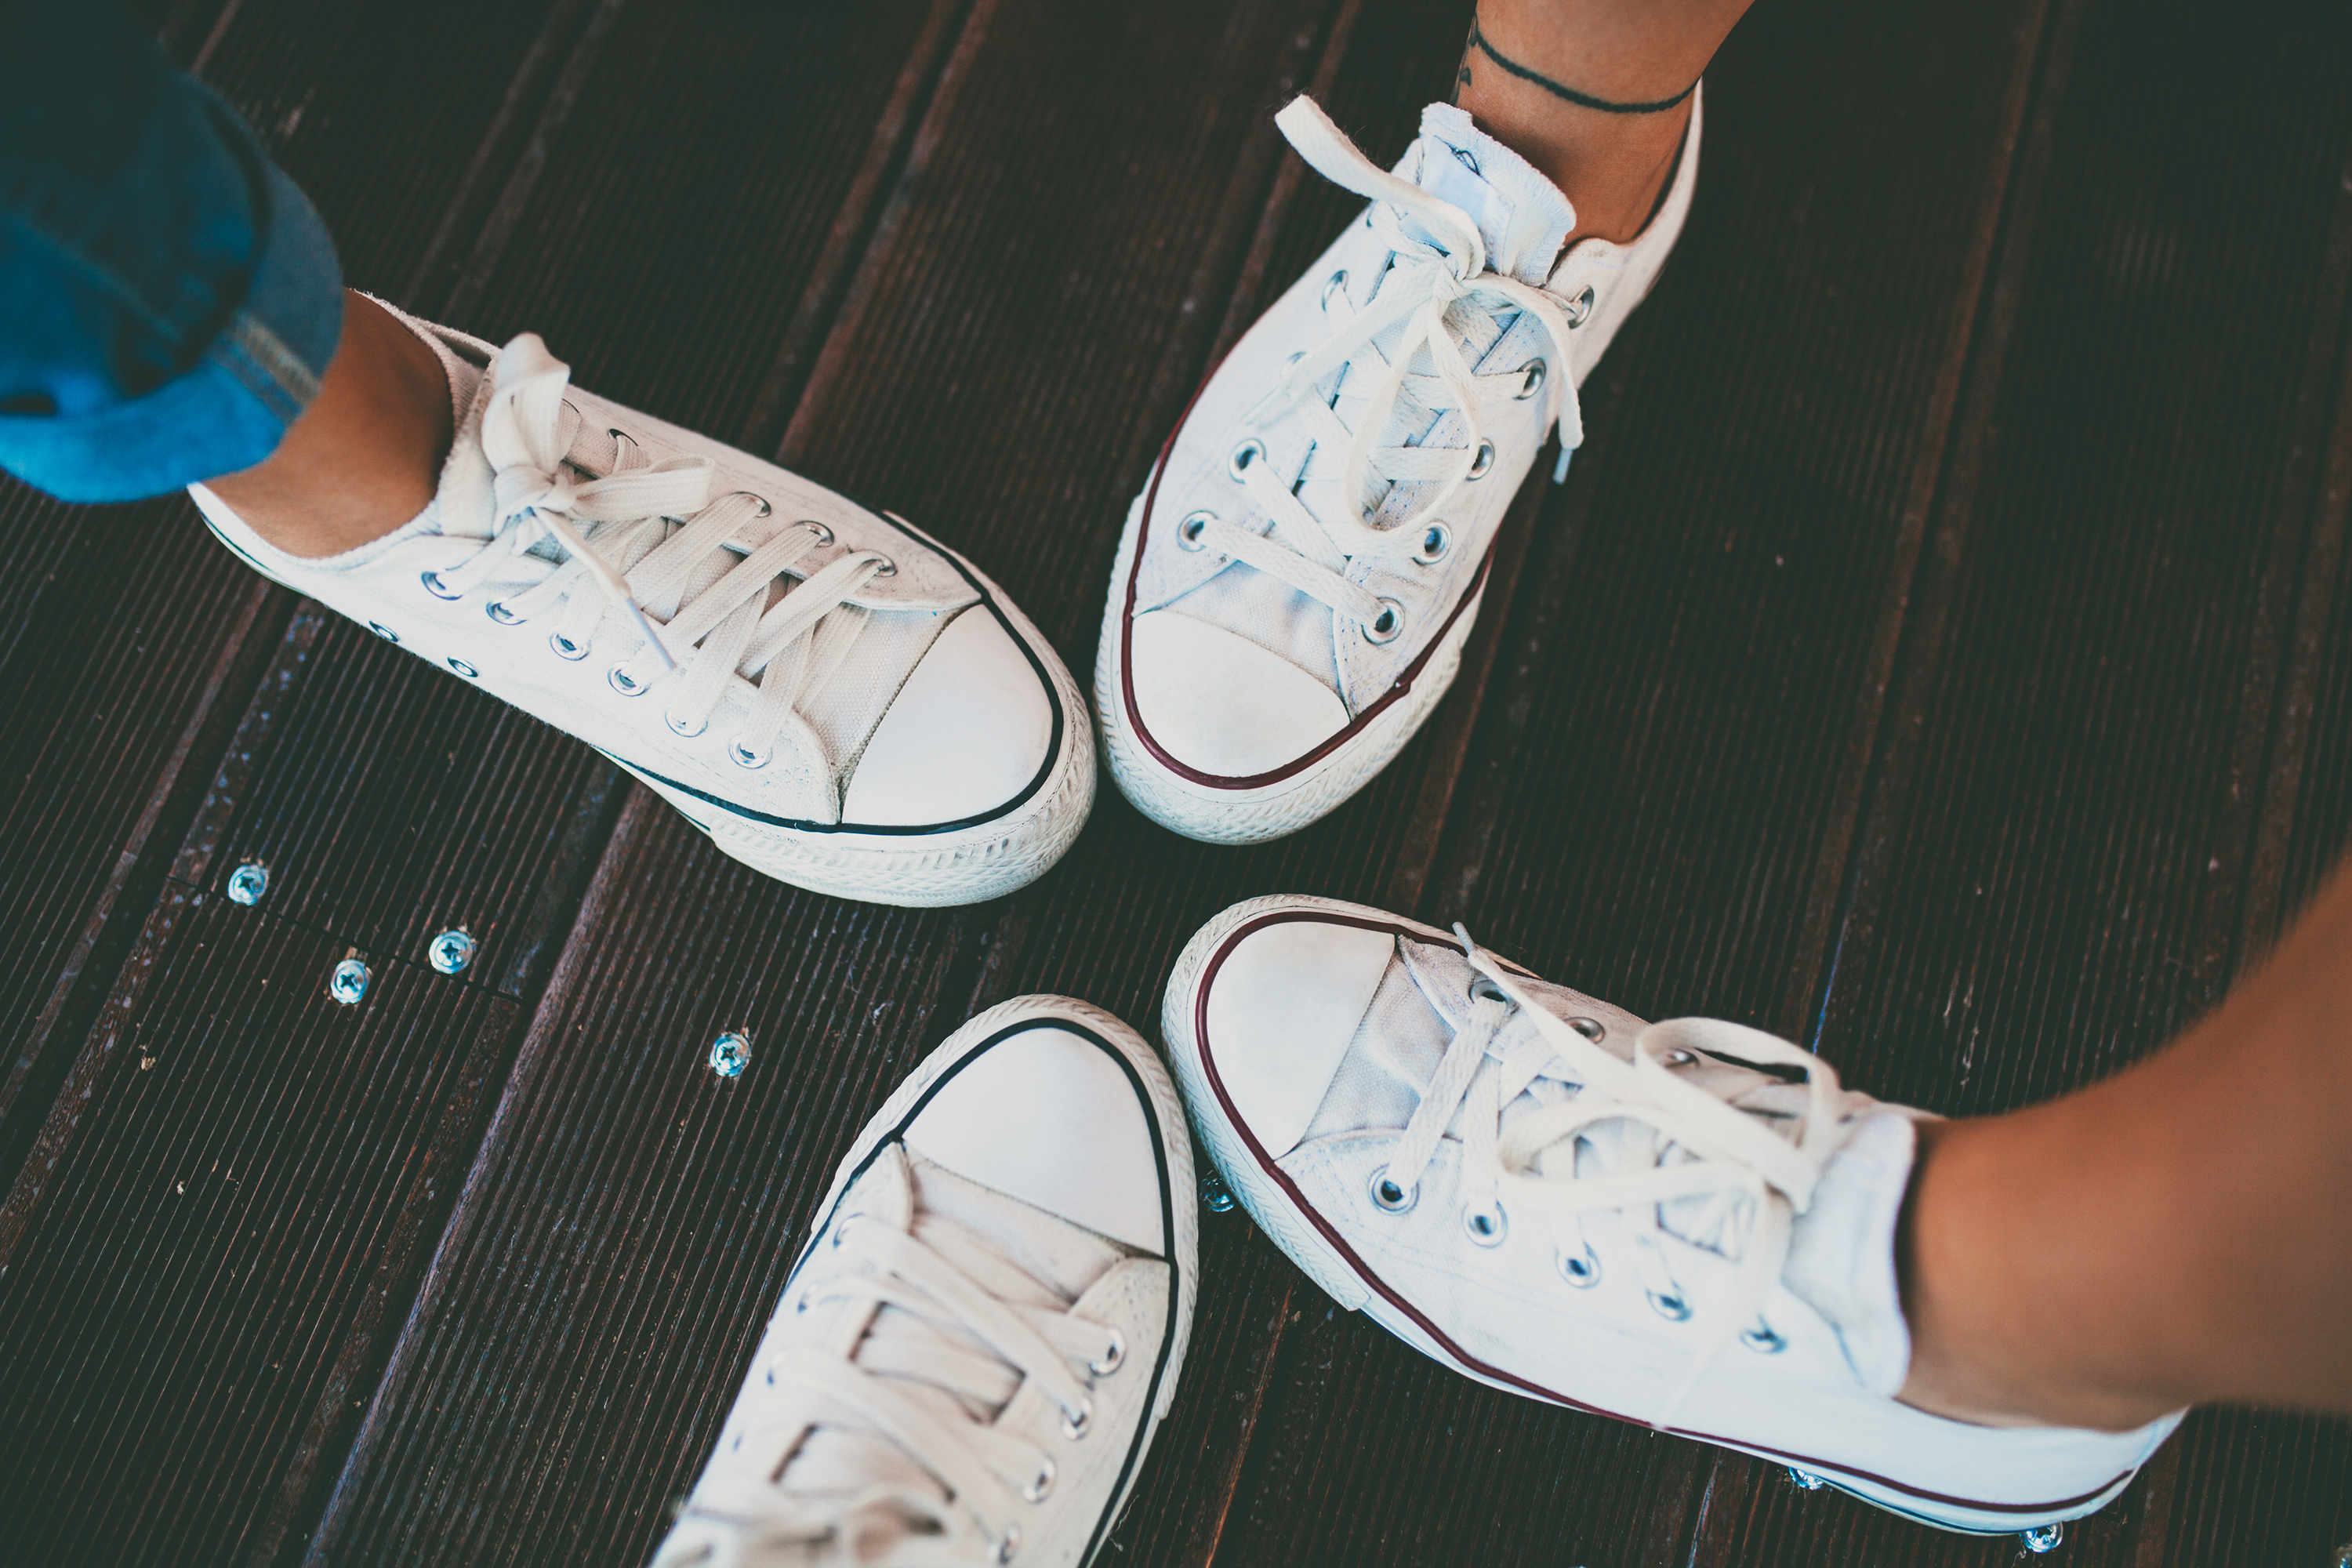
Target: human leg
1687 1224
1595 93
1298 580
835 697
2178 1233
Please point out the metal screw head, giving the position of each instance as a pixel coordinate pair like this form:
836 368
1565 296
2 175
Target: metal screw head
730 1053
349 982
1213 1196
1806 1481
248 882
450 951
2042 1538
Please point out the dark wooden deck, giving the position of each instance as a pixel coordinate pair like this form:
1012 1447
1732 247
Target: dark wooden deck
1939 655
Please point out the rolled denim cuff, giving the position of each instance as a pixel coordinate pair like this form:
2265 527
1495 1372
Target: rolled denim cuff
229 411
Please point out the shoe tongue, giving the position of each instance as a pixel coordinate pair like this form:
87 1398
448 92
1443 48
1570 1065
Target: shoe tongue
1842 1250
1018 1253
1521 214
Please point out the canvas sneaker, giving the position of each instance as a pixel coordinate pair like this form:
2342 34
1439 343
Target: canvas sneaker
834 697
1298 579
1689 1225
971 1353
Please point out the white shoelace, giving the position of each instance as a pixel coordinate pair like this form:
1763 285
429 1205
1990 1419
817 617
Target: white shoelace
1437 281
944 1352
1755 1175
659 547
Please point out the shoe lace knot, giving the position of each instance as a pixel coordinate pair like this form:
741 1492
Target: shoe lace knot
726 606
1437 279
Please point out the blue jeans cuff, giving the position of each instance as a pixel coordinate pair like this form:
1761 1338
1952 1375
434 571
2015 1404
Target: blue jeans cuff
230 411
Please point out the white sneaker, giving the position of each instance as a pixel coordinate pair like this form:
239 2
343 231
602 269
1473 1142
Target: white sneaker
1540 1191
971 1353
1298 576
853 708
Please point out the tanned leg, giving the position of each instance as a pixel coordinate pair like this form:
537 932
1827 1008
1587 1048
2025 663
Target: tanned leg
2180 1233
365 456
1529 62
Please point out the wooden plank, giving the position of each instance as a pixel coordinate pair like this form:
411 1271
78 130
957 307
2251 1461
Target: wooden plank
245 1200
124 637
2056 873
624 1235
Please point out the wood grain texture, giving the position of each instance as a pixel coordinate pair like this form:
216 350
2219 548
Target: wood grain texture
1938 649
628 1224
122 634
197 1303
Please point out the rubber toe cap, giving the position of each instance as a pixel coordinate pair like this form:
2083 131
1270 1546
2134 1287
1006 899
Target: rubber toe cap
971 729
1222 705
1048 1116
1281 1010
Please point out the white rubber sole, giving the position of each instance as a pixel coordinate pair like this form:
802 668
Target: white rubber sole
1304 1246
1167 1112
1216 815
920 870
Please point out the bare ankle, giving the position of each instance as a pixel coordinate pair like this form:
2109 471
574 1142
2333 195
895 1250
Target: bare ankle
1614 164
365 456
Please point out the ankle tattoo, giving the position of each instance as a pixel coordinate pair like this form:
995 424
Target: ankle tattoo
1585 100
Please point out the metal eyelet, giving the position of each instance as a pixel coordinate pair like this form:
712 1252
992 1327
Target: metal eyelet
625 683
500 614
1678 1058
1583 1272
1001 1549
437 588
1250 451
1388 626
1189 531
823 534
385 632
1531 379
1482 462
745 757
1486 1226
1762 1340
1590 1028
1580 310
467 670
1435 541
1036 1490
1335 287
765 509
1111 1360
1392 1197
681 730
1670 1306
565 647
1482 989
1076 1426
886 567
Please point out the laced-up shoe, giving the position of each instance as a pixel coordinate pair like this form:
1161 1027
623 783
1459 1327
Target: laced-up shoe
1689 1225
1298 579
970 1358
835 698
